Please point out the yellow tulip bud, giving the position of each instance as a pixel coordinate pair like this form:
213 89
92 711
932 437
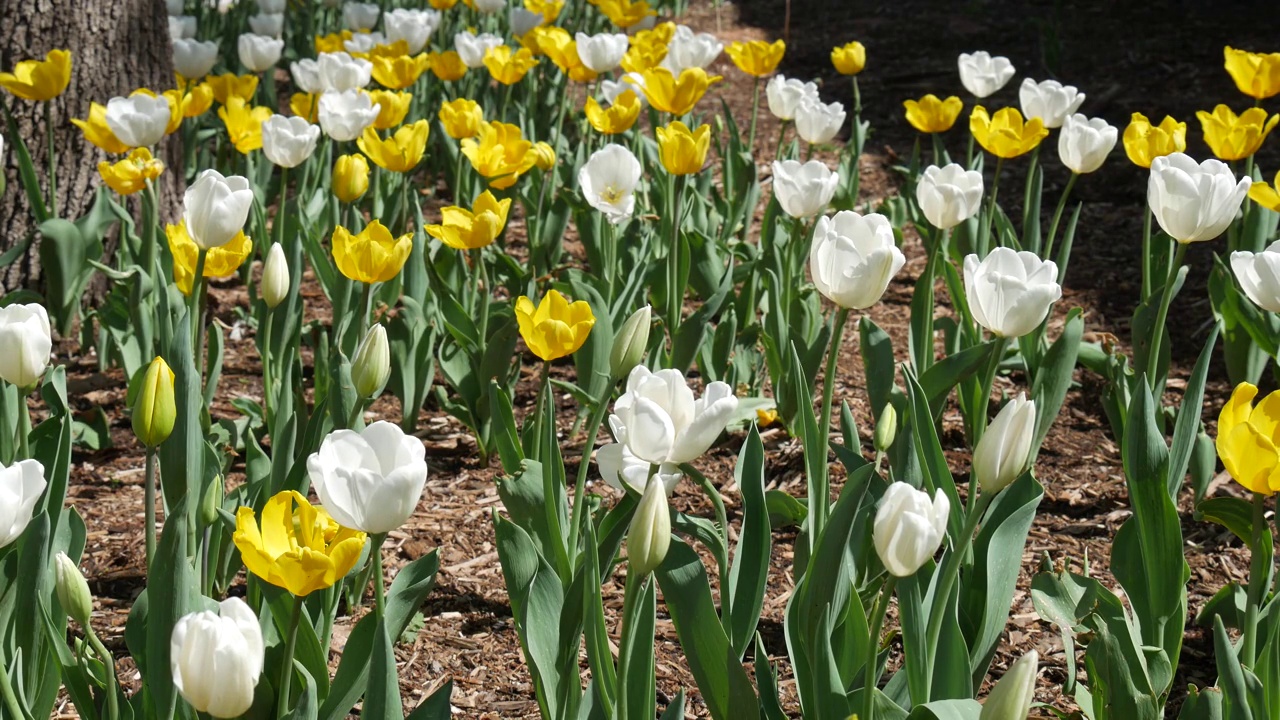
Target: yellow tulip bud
683 151
756 57
350 177
1005 134
544 156
154 408
850 58
554 328
1144 142
931 115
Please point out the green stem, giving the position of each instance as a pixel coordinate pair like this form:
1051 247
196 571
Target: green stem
675 293
588 445
23 427
991 209
268 386
113 708
755 111
53 160
197 290
284 198
1257 578
1162 316
379 590
286 667
979 419
819 496
950 571
873 667
1146 253
365 310
485 294
782 134
10 699
149 491
1057 216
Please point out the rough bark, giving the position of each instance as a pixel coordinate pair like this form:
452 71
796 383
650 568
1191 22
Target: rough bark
117 46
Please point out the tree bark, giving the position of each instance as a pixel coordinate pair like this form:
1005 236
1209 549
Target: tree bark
117 46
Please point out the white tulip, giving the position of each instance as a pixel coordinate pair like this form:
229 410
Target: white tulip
215 208
21 485
1005 448
275 277
785 95
603 52
371 365
360 17
1194 202
269 24
1051 101
1010 293
363 42
490 7
1083 144
949 195
803 189
174 7
688 49
909 528
1012 696
611 89
182 27
339 72
608 181
522 20
471 48
288 141
193 59
983 75
306 76
259 53
216 658
138 120
26 341
369 480
344 115
817 122
414 27
272 6
853 257
619 466
1259 276
649 536
224 6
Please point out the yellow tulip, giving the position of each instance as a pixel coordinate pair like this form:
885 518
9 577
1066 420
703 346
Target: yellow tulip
443 4
756 57
97 131
196 100
335 42
1268 196
683 151
131 174
499 153
1005 134
350 177
625 13
508 67
1248 437
850 59
765 418
218 262
306 106
558 45
618 118
397 49
463 229
548 9
660 33
399 153
154 409
461 118
544 156
1235 137
676 95
39 80
299 547
1256 74
400 71
392 107
1144 142
931 115
244 123
555 328
372 256
644 54
447 65
229 85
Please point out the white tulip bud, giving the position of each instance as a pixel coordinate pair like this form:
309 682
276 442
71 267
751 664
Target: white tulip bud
650 533
371 365
631 342
909 528
275 277
72 590
26 340
1005 447
1259 276
886 428
1011 698
216 658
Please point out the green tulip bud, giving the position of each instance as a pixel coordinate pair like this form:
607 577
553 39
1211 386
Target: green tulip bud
211 501
1011 698
631 342
154 409
72 590
886 428
371 366
650 532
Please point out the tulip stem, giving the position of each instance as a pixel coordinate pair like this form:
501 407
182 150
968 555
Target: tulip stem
286 668
149 492
53 160
978 422
991 210
782 134
819 496
22 444
10 699
267 385
873 664
755 111
197 290
1057 216
1146 253
1162 315
113 708
588 446
675 293
950 570
379 591
1257 576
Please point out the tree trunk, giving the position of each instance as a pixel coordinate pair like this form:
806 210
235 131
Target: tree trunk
117 46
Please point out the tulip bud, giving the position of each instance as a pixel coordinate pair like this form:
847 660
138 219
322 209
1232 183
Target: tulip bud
371 365
544 156
275 277
1011 698
650 533
154 410
216 658
1005 447
211 501
72 590
631 342
886 428
350 178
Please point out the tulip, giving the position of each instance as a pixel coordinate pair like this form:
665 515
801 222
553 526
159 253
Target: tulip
489 7
555 328
173 99
26 338
1194 202
908 528
646 54
931 115
154 408
649 536
688 49
272 6
1010 292
244 124
21 486
399 153
983 75
195 102
259 53
603 52
275 277
350 177
173 7
1004 450
803 190
369 480
373 255
1050 101
1246 439
544 156
71 589
267 24
499 153
756 57
850 58
620 117
1083 143
332 43
307 551
785 95
216 658
1233 137
683 151
1268 196
39 80
360 17
631 342
1011 697
447 66
288 141
949 195
97 132
464 229
338 72
1005 135
414 27
1259 275
345 115
131 174
193 59
220 261
612 91
215 208
1144 142
886 429
229 85
461 118
548 9
675 94
558 45
853 257
471 48
400 71
521 21
818 123
138 120
182 27
1256 74
626 14
608 181
506 66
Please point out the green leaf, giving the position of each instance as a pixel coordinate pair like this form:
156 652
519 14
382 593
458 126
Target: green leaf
749 571
436 705
1053 377
1188 422
383 697
636 683
167 604
784 510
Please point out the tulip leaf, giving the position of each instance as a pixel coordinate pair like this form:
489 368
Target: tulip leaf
1239 699
933 462
382 700
965 709
436 705
599 655
942 377
1188 422
165 605
749 571
1053 378
182 455
767 681
636 687
877 358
